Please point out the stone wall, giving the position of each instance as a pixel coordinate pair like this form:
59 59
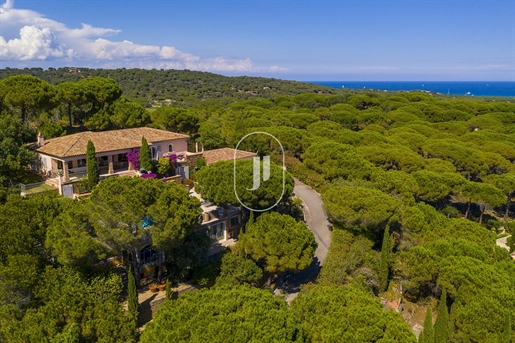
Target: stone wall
191 160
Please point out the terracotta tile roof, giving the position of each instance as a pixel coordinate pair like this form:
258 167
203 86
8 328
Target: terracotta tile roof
75 144
225 154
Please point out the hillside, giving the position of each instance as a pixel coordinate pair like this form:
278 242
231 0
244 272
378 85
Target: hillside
178 87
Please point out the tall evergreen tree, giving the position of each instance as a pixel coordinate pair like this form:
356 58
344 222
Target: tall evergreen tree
145 161
442 320
506 331
133 302
452 323
91 165
168 289
428 334
250 221
384 264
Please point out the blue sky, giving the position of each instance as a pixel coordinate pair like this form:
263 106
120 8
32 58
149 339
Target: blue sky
300 40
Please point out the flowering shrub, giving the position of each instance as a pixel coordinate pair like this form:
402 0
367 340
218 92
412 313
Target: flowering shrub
173 160
164 166
133 158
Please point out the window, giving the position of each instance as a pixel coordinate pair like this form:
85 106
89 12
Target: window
70 165
122 157
148 255
171 148
102 161
81 163
153 152
216 231
235 221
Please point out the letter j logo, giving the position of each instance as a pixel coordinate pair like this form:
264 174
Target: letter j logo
257 172
243 176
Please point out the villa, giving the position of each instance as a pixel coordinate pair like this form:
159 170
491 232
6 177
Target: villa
63 161
66 155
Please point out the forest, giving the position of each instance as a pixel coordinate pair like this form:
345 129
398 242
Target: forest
417 186
179 88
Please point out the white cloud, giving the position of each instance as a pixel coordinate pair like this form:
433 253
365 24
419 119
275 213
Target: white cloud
277 69
26 35
34 44
7 6
86 31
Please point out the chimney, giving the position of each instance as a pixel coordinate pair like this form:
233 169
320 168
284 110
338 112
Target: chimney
41 140
206 216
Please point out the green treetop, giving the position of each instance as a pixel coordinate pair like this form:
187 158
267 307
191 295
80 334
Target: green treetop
28 94
222 314
216 183
348 314
279 243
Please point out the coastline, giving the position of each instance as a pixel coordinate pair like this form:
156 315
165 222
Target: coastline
462 88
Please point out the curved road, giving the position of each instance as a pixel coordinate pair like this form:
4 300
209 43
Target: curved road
314 216
503 243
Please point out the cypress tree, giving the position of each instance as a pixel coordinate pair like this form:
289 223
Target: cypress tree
169 292
442 320
250 221
145 158
91 165
506 331
133 302
384 265
452 323
428 334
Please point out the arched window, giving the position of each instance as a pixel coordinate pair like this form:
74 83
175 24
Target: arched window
171 148
148 255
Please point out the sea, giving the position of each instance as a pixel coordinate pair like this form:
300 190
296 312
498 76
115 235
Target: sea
466 88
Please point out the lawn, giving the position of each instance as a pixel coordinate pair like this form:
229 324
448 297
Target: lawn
31 189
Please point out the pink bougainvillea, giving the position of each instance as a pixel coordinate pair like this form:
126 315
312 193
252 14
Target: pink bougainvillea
173 160
133 158
149 176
